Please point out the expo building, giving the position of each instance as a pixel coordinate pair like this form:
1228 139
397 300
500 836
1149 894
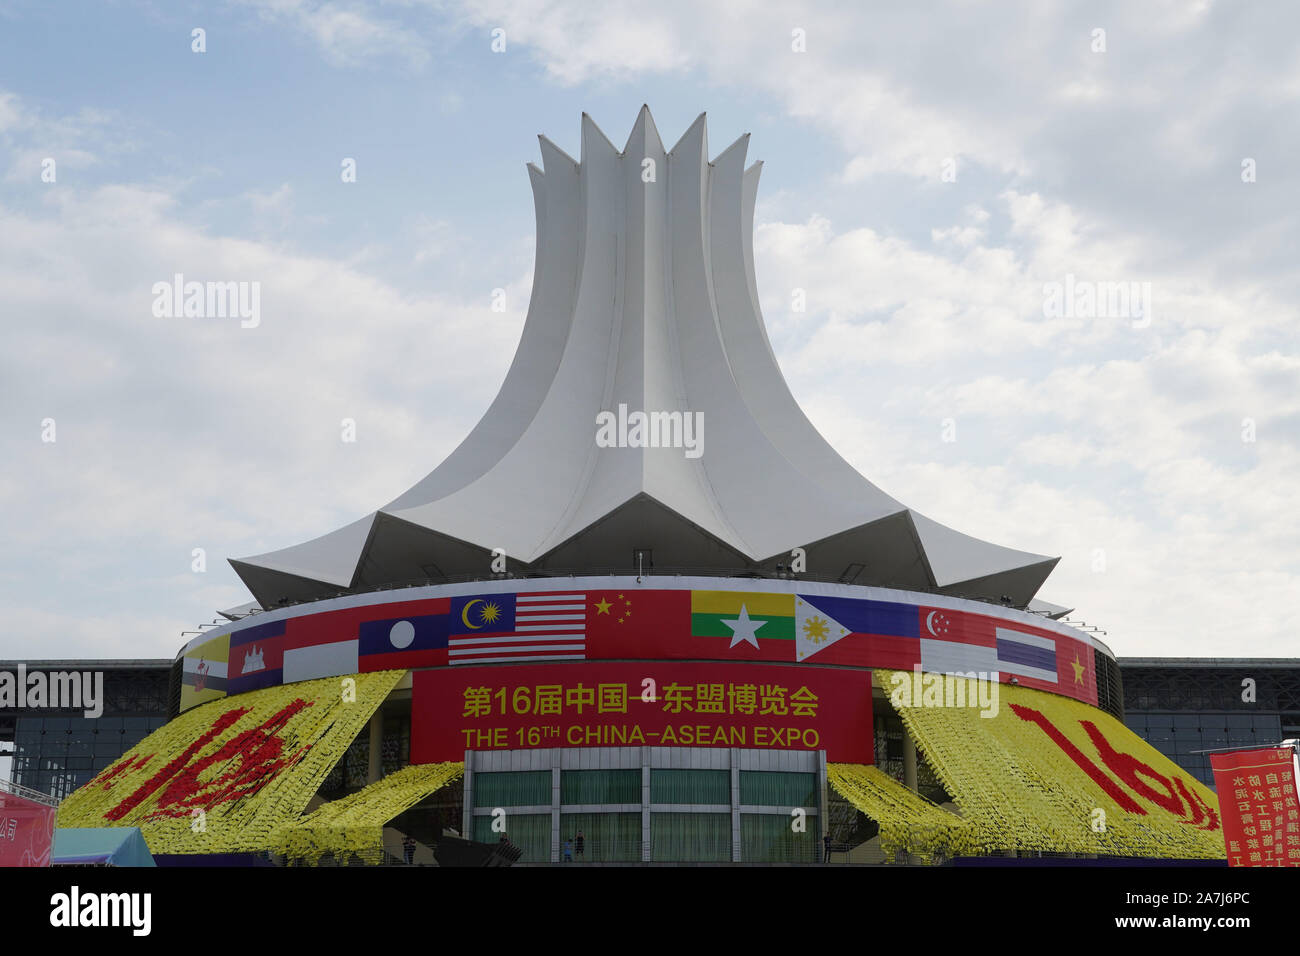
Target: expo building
644 613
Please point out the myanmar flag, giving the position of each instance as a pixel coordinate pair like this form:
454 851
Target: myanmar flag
742 624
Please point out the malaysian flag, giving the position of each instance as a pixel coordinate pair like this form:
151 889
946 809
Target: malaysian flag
493 628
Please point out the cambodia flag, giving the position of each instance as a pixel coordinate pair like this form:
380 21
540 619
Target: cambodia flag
256 658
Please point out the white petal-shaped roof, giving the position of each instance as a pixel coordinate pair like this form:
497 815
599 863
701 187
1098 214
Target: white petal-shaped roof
644 300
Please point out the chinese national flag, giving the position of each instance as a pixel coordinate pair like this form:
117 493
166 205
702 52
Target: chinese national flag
636 623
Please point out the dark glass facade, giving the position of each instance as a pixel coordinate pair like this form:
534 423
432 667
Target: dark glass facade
56 751
1184 706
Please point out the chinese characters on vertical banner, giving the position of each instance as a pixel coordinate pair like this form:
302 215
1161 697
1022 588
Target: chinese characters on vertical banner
1257 799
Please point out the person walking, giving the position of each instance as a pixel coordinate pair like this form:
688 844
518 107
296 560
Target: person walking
826 842
578 845
408 848
568 850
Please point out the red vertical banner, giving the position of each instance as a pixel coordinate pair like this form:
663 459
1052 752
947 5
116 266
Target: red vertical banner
26 831
1257 801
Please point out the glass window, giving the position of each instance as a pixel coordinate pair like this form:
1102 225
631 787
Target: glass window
766 788
690 837
597 786
531 832
691 786
605 836
528 788
768 838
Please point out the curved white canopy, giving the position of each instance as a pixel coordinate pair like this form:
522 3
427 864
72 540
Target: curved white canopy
644 296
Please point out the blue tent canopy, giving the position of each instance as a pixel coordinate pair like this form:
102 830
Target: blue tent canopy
102 846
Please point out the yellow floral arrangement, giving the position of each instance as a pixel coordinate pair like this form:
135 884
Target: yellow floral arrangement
355 824
908 821
1049 773
227 776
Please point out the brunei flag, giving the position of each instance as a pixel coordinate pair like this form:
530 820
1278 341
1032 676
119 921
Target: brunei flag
203 672
743 624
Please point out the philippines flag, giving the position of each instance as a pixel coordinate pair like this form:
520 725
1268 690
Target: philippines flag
494 628
854 631
256 657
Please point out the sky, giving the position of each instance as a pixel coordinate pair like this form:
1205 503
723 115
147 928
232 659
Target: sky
932 172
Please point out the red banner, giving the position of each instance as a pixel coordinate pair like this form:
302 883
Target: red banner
752 706
1257 800
26 831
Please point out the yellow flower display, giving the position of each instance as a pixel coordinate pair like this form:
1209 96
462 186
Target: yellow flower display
1053 774
228 775
908 821
355 824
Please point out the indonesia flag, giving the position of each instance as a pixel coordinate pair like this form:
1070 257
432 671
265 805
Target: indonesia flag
499 628
320 645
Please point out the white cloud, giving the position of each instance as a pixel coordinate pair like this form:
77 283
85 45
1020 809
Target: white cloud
347 34
176 433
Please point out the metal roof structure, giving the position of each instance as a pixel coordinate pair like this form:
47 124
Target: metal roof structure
644 300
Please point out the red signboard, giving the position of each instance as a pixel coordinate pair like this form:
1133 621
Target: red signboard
26 831
751 706
1257 800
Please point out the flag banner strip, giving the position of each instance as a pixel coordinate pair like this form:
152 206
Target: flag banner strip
713 625
213 668
729 603
510 639
530 657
